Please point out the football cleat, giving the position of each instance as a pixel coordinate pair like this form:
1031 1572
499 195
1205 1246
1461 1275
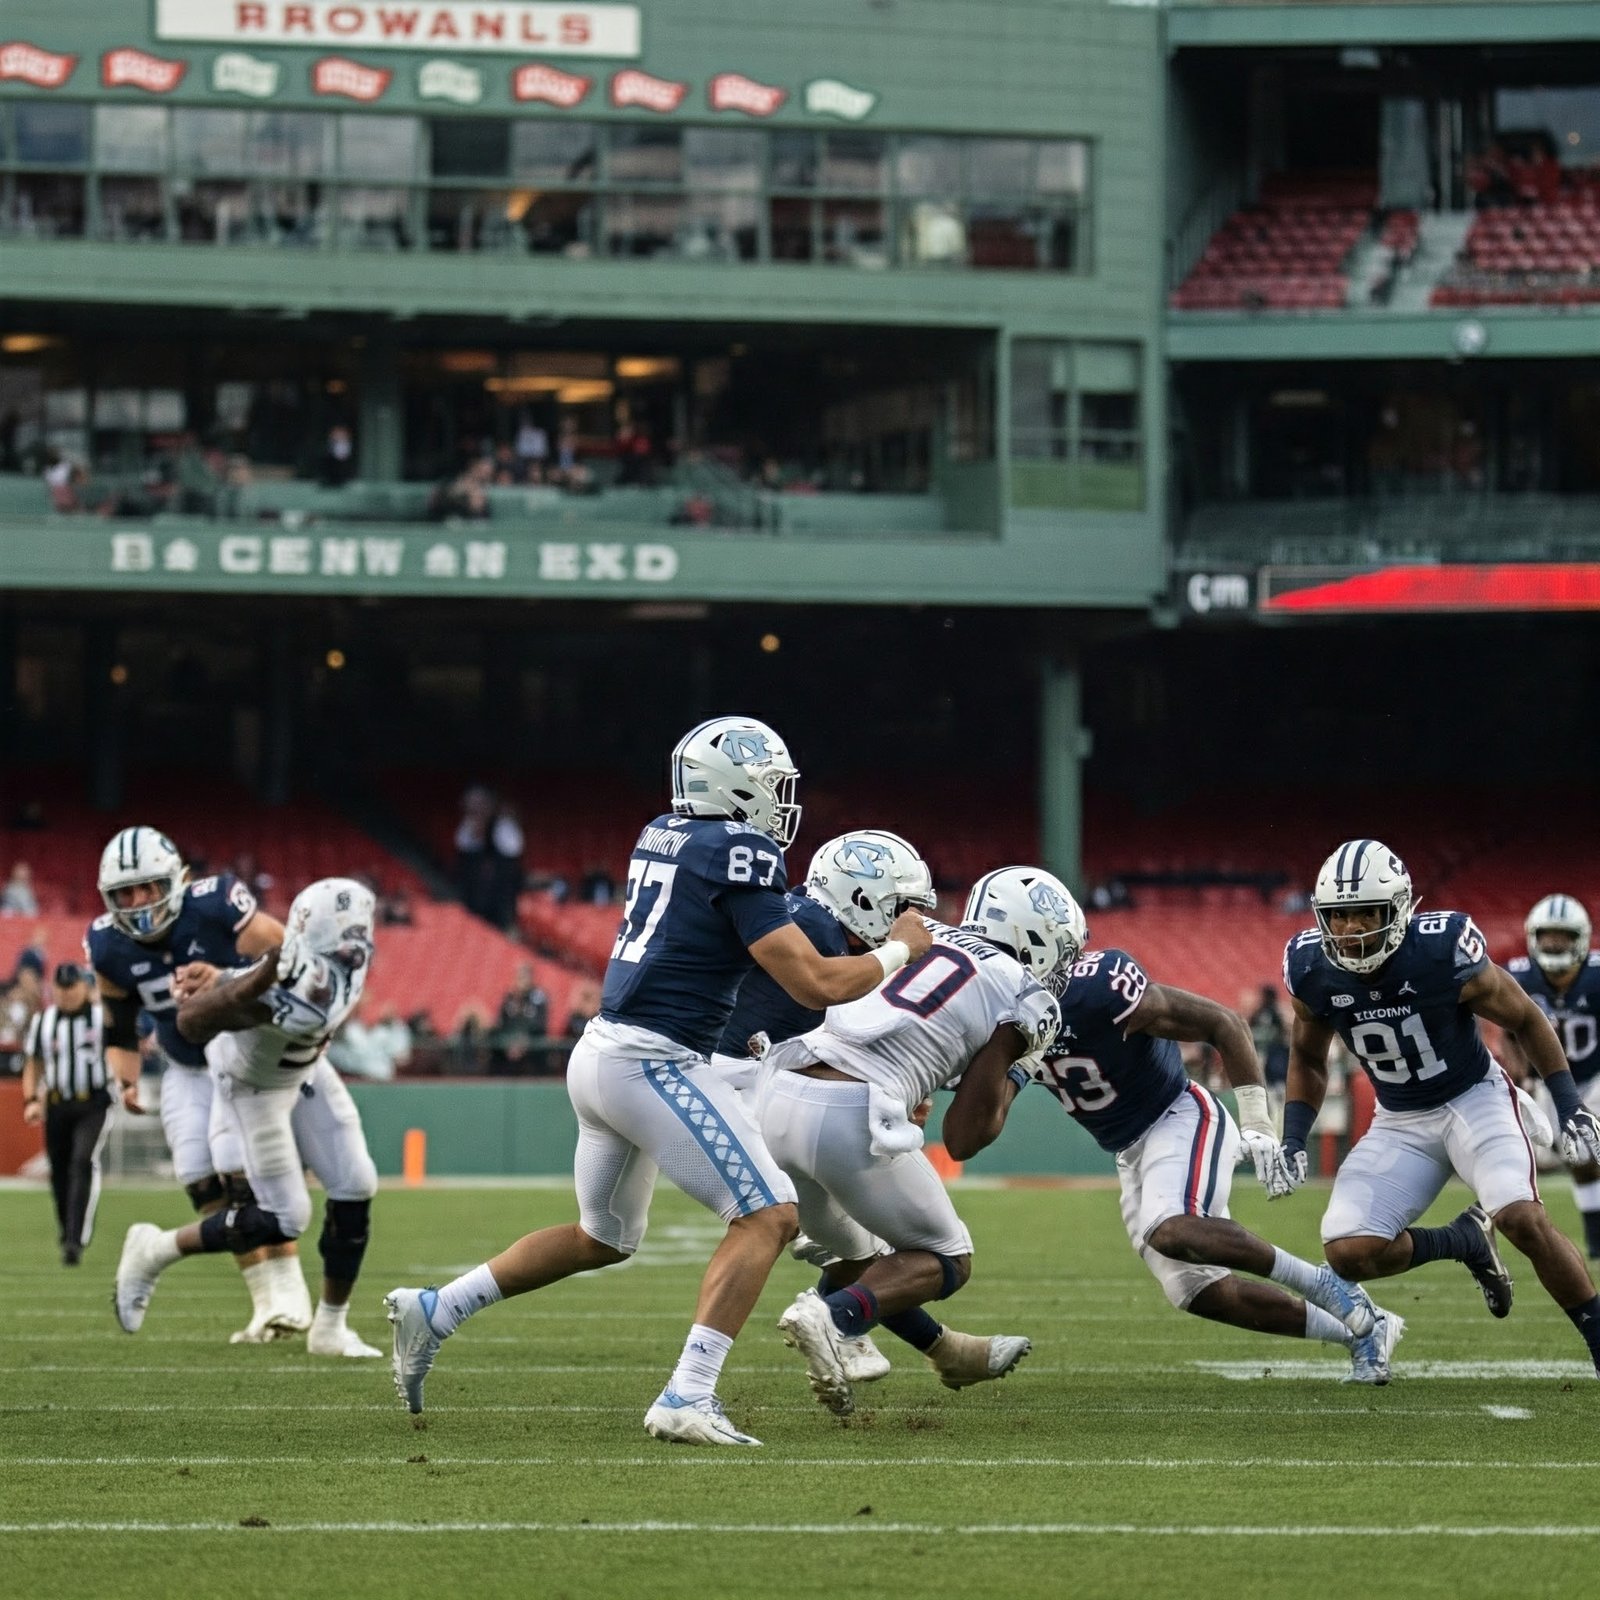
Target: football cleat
337 1339
681 1421
137 1271
1347 1301
804 1248
963 1359
862 1360
1369 1356
260 1330
416 1342
808 1326
1486 1265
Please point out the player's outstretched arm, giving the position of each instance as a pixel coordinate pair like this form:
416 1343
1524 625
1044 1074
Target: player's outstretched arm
988 1086
1177 1014
231 1002
1497 997
819 981
259 935
120 1040
1309 1042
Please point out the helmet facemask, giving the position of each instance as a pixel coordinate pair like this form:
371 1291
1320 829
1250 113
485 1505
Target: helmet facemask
1558 914
1371 948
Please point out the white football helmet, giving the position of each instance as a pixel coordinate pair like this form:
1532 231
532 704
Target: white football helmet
327 951
1363 874
867 878
136 856
1558 913
1032 914
739 768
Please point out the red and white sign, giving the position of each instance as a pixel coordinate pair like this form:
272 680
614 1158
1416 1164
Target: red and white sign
732 91
635 88
335 75
503 25
133 69
42 68
550 85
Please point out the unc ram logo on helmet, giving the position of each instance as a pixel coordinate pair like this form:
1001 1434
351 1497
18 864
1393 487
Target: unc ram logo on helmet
737 767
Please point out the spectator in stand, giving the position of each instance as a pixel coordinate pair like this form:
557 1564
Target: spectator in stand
473 868
506 847
522 1026
20 1001
585 1004
1271 1036
567 450
597 887
393 1034
394 910
533 450
470 1047
465 496
17 899
65 480
338 464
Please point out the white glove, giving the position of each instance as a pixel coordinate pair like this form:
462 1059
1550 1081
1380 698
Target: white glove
1580 1138
1534 1121
893 1133
1272 1169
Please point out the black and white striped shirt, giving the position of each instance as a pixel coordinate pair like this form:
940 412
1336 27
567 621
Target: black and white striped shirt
68 1047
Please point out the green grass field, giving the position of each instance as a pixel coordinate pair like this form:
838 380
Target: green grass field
1138 1452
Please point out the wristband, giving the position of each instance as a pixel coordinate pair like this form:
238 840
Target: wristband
1019 1075
1298 1116
1563 1089
1254 1112
891 956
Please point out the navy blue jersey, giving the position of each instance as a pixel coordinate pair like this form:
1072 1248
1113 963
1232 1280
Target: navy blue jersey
1116 1084
1405 1022
700 892
1574 1012
764 1005
215 911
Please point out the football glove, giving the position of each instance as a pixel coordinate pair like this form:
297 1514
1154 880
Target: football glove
1264 1152
1294 1167
1580 1138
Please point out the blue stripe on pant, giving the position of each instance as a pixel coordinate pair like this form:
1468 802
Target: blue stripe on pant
699 1116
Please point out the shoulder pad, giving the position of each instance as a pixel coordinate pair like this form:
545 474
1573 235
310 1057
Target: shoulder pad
101 923
1594 959
202 886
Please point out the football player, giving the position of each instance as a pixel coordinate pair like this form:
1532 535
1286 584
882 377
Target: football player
1402 990
265 1030
836 1110
705 902
1563 977
157 922
1115 1067
856 886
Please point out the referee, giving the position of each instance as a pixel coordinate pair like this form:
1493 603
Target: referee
64 1085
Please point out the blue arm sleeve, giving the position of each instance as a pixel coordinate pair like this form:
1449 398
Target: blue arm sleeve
1298 1117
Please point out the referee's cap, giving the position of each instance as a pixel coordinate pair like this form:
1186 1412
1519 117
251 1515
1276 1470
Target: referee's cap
68 973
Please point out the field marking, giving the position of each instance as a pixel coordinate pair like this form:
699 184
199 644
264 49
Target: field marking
856 1526
1246 1371
1509 1413
750 1461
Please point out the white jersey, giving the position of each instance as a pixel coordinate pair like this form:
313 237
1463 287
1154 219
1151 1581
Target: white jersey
922 1028
282 1053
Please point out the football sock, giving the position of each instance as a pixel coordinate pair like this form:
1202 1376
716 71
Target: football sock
700 1365
258 1280
1591 1233
463 1296
1325 1326
1455 1241
854 1310
329 1316
1586 1319
1588 1197
167 1251
1297 1276
916 1327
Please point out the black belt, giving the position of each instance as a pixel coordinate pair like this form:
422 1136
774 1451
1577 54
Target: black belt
83 1097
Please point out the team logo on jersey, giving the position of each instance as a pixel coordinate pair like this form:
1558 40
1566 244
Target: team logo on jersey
745 747
139 968
1374 994
860 858
1048 903
1344 999
1405 988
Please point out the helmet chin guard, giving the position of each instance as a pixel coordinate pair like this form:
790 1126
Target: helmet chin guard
1363 875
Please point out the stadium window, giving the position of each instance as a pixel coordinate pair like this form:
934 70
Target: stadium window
644 155
373 219
289 144
51 135
212 211
477 219
205 142
790 222
793 159
46 205
856 163
721 227
131 138
554 152
469 147
927 164
1076 437
381 149
643 224
855 232
131 210
723 158
560 223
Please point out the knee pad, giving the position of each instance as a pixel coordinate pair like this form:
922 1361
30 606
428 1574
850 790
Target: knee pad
238 1190
951 1273
206 1191
345 1228
240 1229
